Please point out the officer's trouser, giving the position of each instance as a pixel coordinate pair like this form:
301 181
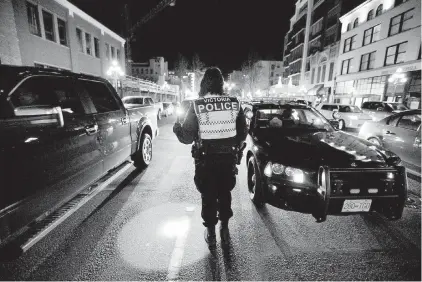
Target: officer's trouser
215 181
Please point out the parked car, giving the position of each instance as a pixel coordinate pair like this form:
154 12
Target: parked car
348 116
136 101
168 109
297 161
303 102
380 110
399 133
61 132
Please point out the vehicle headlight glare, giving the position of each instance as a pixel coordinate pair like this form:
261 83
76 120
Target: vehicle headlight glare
390 175
295 174
277 168
268 170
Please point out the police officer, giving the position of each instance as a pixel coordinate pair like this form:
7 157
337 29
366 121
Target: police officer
216 125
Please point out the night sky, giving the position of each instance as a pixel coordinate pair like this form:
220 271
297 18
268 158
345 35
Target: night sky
222 32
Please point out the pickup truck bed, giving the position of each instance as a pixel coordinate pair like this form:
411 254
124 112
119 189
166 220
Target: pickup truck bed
61 132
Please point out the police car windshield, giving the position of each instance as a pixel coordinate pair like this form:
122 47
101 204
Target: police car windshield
292 118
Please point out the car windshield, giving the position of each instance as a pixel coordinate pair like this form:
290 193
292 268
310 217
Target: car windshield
138 101
397 107
291 118
349 109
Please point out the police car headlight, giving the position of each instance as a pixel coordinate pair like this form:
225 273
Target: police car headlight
268 170
277 168
295 174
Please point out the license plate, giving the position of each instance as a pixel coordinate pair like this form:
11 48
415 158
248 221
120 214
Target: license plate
356 205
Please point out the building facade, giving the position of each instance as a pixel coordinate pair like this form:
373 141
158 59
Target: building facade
380 38
155 70
311 43
57 34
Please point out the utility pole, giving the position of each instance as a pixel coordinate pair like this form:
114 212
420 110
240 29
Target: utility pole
128 41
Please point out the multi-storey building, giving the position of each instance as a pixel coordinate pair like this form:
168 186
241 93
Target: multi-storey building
57 34
380 38
155 70
310 46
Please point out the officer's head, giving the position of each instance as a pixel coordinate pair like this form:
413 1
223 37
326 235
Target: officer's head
212 82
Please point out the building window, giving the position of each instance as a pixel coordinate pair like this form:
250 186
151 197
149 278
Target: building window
48 25
371 35
345 66
324 67
313 76
356 23
80 42
107 46
150 71
367 61
379 10
33 19
349 44
97 47
319 74
113 54
395 54
330 74
118 55
400 23
88 43
349 26
61 24
142 71
370 15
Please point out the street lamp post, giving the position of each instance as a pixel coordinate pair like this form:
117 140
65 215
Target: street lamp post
115 72
397 78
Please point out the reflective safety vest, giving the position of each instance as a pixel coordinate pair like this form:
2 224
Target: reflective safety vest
216 116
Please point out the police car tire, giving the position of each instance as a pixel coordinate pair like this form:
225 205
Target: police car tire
256 197
138 160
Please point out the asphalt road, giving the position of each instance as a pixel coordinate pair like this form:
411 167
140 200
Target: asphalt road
146 226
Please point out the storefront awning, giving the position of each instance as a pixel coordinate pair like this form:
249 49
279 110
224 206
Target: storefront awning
315 90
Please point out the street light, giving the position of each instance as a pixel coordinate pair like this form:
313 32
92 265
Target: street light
397 78
115 72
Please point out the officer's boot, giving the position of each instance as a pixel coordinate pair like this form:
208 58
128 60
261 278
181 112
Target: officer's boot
225 233
210 237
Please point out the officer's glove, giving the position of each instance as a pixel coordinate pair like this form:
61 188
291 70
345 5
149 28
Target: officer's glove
177 127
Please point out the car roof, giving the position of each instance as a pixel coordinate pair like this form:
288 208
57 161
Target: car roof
11 75
274 105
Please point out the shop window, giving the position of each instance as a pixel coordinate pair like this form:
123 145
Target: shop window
113 53
370 15
48 25
395 54
80 40
107 46
324 67
400 23
379 10
349 26
61 24
33 19
371 35
313 76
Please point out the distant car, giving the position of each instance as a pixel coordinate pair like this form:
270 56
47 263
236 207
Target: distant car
380 110
297 161
304 102
136 101
168 109
399 133
348 116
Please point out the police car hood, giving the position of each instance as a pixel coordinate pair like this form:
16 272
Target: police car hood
313 149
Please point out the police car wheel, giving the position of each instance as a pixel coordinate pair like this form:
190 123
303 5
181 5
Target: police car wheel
255 183
143 156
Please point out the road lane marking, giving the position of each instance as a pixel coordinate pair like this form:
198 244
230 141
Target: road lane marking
179 249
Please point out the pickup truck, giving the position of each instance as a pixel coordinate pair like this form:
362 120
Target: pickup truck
136 101
61 132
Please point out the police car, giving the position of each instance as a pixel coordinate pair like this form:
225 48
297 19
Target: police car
296 160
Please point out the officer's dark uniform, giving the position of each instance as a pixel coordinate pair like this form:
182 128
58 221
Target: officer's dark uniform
217 126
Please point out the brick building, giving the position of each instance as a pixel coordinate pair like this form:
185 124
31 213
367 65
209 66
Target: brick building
56 34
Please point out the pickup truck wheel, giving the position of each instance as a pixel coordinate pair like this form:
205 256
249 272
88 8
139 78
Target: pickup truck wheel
255 184
144 155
